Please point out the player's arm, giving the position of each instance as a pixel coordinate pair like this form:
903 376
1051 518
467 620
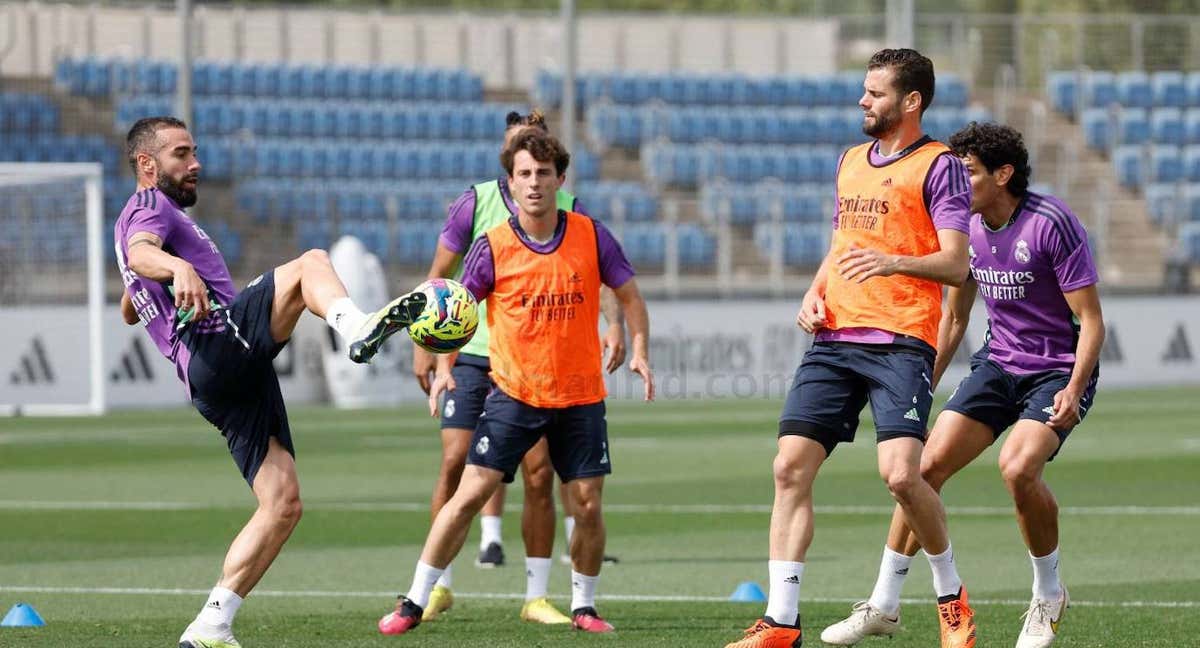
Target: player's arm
445 263
1085 304
479 277
812 308
948 265
147 258
956 313
613 342
127 311
638 318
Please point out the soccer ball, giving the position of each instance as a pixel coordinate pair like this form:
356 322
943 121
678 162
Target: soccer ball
449 319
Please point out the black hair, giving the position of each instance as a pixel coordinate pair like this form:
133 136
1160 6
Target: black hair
914 72
535 118
996 145
141 136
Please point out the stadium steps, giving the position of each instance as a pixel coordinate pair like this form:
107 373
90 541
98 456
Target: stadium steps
1134 252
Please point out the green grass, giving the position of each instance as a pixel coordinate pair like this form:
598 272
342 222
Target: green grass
176 500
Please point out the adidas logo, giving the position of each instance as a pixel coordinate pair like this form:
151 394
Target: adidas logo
792 580
1178 349
214 604
134 365
1049 409
34 367
912 415
902 572
887 183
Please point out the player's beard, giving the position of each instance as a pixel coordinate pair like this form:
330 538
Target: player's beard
884 123
175 191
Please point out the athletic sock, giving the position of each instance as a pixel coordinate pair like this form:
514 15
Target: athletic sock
537 577
1046 584
345 318
783 599
220 608
423 579
893 569
583 590
490 531
945 575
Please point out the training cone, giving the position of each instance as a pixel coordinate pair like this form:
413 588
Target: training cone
22 615
748 592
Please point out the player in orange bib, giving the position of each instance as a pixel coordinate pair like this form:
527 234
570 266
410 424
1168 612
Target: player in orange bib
541 273
900 232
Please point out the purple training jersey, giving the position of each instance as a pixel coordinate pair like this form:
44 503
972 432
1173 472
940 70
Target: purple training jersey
479 273
948 198
149 210
1022 270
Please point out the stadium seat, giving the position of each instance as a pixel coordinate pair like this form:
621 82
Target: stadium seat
1100 90
1169 89
1134 90
1133 126
1127 162
1097 128
1166 163
1062 87
1166 126
1162 201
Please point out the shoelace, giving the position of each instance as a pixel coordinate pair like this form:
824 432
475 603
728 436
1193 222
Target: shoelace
1038 613
758 627
859 614
952 613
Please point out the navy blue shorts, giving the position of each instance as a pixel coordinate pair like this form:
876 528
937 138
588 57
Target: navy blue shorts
835 380
464 403
508 428
233 382
998 399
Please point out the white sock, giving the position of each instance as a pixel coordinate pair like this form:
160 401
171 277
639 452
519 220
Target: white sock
569 525
423 579
783 599
490 527
222 604
537 577
945 575
583 590
892 571
447 576
345 318
1046 585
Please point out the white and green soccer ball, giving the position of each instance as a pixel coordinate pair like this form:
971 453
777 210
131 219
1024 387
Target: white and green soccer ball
449 319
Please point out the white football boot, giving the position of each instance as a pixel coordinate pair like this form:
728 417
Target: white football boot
1041 621
864 621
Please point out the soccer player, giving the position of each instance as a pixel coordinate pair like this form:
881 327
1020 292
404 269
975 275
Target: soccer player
477 210
541 273
1036 371
874 307
222 342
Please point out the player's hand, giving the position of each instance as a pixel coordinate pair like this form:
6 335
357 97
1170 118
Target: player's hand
613 345
860 264
639 365
424 365
812 312
1066 410
441 382
191 293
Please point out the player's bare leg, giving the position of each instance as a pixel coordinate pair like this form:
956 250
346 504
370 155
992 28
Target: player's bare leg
537 529
954 442
1022 462
587 552
277 489
455 442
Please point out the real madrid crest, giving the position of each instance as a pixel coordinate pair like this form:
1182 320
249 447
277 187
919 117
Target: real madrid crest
1022 252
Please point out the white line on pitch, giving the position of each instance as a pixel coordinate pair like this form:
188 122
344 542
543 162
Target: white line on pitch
155 591
419 507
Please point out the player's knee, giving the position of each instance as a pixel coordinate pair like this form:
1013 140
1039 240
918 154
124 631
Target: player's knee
539 480
934 474
287 508
1019 472
790 474
586 506
902 483
316 256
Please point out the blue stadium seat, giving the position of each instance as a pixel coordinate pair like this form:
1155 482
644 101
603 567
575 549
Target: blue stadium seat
1162 201
1191 202
1061 87
1191 163
1097 128
1169 89
1166 163
1166 126
1133 126
1100 89
1134 90
1192 88
1128 164
1189 237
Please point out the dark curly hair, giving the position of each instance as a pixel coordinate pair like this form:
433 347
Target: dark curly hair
543 146
996 145
914 71
535 118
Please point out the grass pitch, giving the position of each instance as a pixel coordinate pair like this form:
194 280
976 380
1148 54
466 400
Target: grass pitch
114 529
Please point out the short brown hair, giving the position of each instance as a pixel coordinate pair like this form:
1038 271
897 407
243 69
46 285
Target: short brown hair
914 72
543 146
537 119
141 136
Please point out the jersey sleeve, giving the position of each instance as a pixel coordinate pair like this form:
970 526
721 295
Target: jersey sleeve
479 269
1067 248
152 219
948 194
460 221
578 208
615 268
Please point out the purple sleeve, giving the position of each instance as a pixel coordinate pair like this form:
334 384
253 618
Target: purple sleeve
615 268
948 194
456 233
1066 243
479 270
148 219
578 208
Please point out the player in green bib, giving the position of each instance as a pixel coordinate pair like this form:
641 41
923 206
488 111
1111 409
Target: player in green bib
477 210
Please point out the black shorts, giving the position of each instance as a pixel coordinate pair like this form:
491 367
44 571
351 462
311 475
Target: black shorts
463 404
837 379
508 428
998 399
233 381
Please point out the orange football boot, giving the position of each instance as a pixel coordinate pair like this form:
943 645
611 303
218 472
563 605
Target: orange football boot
958 622
766 634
